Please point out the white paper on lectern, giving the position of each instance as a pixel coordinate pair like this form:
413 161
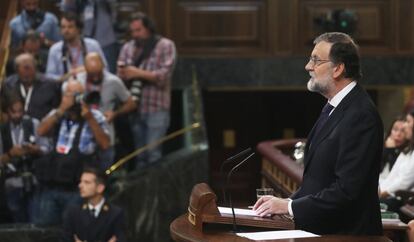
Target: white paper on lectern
237 211
283 234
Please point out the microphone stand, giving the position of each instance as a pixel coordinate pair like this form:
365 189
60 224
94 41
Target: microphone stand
228 160
227 184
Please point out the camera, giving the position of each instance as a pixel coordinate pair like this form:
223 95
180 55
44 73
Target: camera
135 89
90 98
79 98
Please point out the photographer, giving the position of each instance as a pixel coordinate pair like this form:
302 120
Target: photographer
146 64
107 93
21 145
79 133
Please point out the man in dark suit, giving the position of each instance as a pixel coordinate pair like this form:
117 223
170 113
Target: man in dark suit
39 94
339 192
96 220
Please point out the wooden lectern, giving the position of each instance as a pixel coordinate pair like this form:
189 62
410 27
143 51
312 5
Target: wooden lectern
203 209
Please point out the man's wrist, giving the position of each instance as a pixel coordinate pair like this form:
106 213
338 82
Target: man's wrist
58 114
88 116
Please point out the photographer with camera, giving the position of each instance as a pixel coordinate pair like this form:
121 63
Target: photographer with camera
79 133
148 60
107 93
21 145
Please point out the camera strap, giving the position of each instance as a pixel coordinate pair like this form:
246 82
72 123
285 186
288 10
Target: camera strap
33 21
147 48
67 57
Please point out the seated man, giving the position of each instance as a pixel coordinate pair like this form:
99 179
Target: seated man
39 94
79 133
21 145
96 219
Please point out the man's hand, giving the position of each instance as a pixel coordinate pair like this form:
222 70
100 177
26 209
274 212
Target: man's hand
31 149
112 239
268 205
130 72
76 239
17 151
85 111
67 101
110 116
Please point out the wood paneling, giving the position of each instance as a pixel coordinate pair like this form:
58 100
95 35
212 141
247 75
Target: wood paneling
252 28
222 27
283 27
374 31
405 25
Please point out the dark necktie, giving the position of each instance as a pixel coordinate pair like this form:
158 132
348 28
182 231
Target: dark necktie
322 118
92 212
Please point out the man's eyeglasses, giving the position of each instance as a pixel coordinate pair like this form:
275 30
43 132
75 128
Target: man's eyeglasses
317 62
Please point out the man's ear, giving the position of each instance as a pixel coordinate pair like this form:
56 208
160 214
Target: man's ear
339 70
101 188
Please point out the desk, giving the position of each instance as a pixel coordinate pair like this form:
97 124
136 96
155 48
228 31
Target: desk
181 230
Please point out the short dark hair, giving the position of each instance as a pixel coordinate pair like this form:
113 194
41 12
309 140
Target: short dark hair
101 177
73 17
32 36
12 99
343 50
146 21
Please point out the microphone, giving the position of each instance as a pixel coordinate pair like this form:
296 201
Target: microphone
228 160
227 184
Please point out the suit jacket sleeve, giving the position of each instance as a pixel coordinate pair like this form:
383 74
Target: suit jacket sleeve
120 227
354 167
69 224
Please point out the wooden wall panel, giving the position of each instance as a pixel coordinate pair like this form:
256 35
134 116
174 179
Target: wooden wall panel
375 30
405 25
220 27
282 22
271 28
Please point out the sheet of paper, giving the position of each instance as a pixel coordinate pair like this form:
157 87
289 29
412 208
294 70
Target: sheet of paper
237 211
283 234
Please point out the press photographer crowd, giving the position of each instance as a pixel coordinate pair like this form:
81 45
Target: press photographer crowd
73 101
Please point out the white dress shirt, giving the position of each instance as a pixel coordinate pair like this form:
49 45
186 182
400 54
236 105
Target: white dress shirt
97 208
401 176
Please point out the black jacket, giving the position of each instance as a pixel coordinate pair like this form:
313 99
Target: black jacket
78 221
339 192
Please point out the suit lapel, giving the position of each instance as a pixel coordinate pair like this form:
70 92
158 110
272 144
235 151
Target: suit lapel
330 124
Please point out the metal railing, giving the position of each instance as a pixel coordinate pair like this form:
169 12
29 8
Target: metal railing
140 150
5 37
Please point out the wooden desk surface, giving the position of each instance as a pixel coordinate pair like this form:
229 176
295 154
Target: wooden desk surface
182 230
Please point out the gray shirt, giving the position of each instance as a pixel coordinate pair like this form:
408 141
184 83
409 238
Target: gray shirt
113 94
